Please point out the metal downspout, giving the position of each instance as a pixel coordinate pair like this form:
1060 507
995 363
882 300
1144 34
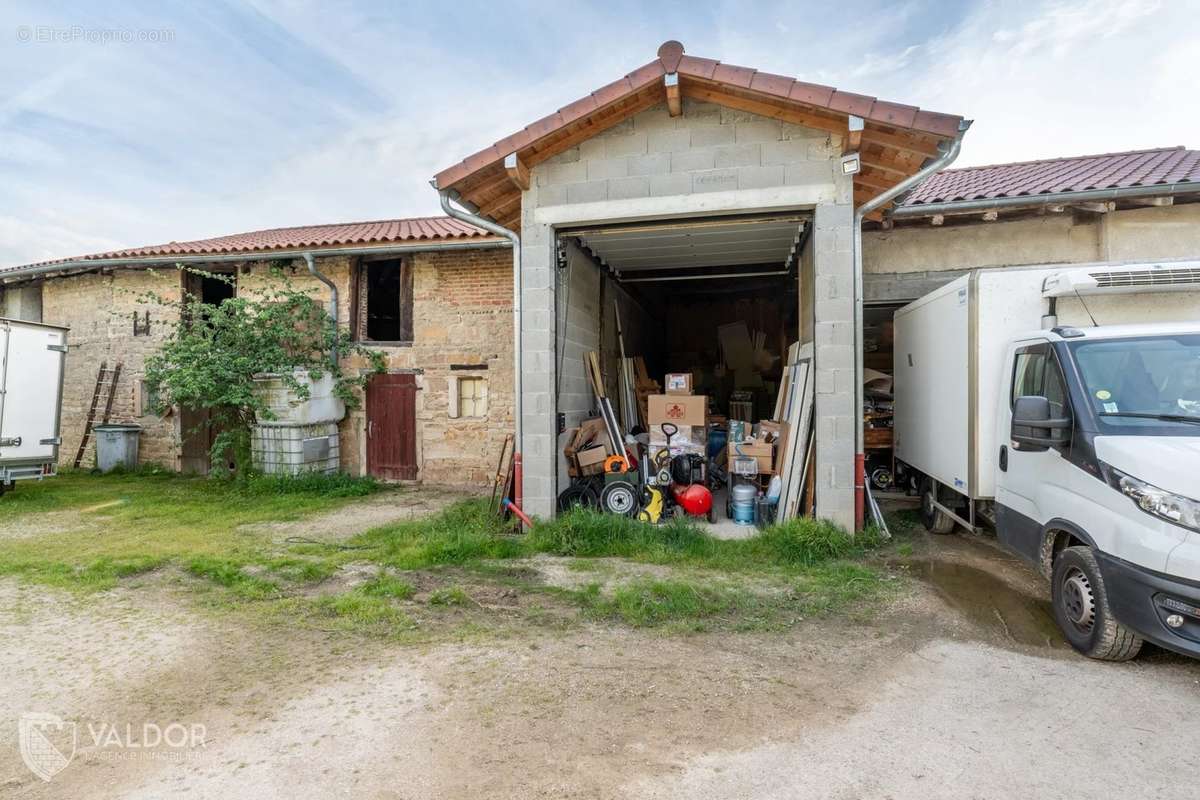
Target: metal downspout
880 200
333 302
512 236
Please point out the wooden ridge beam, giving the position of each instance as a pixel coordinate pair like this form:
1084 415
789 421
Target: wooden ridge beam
674 95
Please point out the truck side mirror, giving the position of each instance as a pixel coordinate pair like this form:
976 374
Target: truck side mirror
1033 427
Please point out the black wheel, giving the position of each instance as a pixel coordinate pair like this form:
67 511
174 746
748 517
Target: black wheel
1081 609
620 497
934 520
578 495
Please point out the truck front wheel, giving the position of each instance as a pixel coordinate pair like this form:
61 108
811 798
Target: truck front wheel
1081 608
934 519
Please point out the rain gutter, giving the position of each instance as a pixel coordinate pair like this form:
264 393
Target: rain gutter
880 200
1034 200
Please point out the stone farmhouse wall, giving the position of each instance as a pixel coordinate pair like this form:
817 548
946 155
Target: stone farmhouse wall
462 326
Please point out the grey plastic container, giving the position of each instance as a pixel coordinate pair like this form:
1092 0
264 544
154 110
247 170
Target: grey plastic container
117 446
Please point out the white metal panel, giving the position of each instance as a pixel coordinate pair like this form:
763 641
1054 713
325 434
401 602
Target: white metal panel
1002 305
1008 304
32 384
694 244
931 384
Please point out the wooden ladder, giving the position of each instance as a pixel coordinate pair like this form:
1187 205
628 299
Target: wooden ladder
104 378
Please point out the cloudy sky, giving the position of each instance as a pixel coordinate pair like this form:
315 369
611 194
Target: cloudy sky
125 123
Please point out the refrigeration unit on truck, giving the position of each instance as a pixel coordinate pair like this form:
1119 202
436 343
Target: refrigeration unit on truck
1061 405
31 376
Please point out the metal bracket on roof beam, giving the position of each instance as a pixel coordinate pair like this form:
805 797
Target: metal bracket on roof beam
674 96
854 132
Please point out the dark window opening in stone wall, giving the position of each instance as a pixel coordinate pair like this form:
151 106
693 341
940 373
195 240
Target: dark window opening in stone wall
388 287
216 290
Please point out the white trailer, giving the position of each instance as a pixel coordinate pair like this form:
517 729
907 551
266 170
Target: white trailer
1062 406
31 377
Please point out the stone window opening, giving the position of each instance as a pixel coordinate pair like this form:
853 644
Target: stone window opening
467 397
385 301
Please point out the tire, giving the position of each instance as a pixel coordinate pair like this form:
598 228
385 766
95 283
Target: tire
1081 609
620 497
577 495
935 521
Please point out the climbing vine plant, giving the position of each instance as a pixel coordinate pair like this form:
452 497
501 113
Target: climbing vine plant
213 351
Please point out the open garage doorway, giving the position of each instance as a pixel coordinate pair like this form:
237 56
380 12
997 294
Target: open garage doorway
711 306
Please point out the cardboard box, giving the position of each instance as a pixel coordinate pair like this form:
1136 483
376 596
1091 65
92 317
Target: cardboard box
688 439
762 452
677 409
591 435
591 459
678 383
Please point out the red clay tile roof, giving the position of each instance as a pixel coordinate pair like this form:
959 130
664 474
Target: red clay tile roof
346 234
1160 166
910 132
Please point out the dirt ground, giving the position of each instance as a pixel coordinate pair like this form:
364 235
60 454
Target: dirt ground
958 688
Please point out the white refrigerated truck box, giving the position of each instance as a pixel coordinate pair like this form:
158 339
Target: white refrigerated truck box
31 379
950 347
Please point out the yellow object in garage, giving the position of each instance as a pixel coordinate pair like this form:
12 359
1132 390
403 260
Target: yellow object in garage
652 512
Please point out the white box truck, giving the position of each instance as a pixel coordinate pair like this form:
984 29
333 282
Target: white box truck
31 376
1061 405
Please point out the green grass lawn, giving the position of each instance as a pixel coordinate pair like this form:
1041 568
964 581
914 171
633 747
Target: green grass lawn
118 526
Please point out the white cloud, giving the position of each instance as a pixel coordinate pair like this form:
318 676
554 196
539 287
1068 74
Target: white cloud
287 113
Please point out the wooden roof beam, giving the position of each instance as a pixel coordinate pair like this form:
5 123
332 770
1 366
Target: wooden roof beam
699 91
517 171
853 140
674 94
901 142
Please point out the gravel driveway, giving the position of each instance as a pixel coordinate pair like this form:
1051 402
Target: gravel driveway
935 697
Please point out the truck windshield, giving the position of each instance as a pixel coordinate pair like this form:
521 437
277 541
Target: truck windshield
1143 382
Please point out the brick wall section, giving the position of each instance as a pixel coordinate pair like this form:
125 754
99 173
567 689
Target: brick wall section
99 309
462 315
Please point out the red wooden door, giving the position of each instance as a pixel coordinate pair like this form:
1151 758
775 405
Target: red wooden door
392 426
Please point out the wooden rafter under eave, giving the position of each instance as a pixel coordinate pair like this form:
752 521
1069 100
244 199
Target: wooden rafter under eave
854 132
517 171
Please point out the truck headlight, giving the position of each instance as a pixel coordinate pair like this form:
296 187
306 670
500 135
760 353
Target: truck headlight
1174 508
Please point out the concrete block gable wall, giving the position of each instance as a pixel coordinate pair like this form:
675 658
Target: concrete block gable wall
709 160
